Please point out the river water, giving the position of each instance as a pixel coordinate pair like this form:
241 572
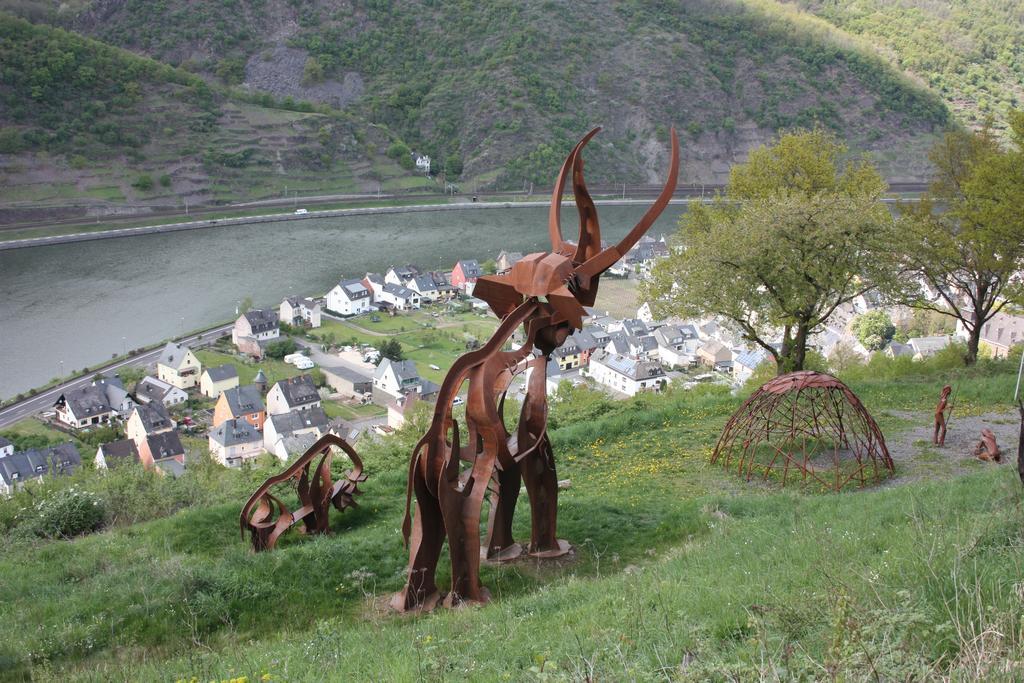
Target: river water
81 303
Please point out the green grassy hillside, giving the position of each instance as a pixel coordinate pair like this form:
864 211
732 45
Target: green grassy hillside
502 89
82 120
971 52
682 570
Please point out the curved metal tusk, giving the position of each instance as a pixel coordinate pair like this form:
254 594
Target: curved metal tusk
604 260
589 242
555 211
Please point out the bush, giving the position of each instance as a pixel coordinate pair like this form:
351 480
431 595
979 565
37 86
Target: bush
144 182
68 513
165 180
281 348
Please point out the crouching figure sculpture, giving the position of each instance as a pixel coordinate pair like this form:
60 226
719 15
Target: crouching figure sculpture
545 294
316 495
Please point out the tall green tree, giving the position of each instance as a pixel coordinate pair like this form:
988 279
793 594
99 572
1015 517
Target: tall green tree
798 233
874 329
965 238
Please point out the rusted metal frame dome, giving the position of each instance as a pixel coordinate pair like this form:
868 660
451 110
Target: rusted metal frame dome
794 415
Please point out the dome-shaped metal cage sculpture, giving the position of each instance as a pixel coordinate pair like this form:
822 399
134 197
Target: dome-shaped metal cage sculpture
805 424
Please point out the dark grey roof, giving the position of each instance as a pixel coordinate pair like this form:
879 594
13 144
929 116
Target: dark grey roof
262 320
298 390
584 340
669 335
172 355
354 289
4 443
425 283
346 373
154 417
406 272
165 445
399 290
375 278
631 368
234 432
635 326
244 400
286 423
117 452
568 348
152 388
34 463
405 370
222 372
644 342
87 401
470 268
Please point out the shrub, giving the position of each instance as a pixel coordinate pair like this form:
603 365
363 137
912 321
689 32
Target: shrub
165 180
68 513
144 182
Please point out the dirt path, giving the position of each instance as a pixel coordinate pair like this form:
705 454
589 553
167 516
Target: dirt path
916 458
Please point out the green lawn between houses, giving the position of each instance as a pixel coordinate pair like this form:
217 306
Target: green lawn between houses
681 571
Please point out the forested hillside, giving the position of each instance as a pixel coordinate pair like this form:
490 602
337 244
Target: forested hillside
501 89
971 52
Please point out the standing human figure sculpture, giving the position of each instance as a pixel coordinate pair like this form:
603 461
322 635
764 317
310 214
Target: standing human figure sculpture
450 472
939 436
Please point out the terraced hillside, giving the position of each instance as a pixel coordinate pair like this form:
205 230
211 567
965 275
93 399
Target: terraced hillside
501 89
88 124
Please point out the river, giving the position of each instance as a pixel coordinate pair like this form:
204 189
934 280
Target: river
75 305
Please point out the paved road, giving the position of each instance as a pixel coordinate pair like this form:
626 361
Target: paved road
45 400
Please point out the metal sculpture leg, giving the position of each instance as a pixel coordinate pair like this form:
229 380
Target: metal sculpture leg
501 546
420 591
542 487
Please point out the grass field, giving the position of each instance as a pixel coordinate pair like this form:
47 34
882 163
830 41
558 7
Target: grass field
682 571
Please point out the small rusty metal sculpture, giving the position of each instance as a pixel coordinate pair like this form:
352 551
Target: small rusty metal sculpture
939 437
987 449
1020 442
545 293
316 495
797 418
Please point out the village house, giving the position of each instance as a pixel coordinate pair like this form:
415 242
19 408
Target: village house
401 298
84 406
927 346
631 326
464 275
715 355
507 259
294 393
255 329
120 401
625 375
347 381
162 452
349 297
896 349
586 342
234 442
423 164
394 379
300 312
374 283
148 419
20 467
215 381
150 389
6 447
115 453
567 356
1001 333
242 403
425 286
178 366
746 362
675 348
287 434
400 275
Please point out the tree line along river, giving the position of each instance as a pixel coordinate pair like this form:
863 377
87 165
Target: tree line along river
80 303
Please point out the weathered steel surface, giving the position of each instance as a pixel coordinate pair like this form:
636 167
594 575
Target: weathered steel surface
545 294
987 448
805 423
939 437
316 495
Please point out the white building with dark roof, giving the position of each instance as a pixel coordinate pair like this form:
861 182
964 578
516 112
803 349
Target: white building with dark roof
401 298
394 379
84 406
349 297
300 311
234 442
24 466
624 374
294 393
150 389
178 366
282 433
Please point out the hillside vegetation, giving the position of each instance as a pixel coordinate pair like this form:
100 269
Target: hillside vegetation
84 120
501 90
971 52
682 570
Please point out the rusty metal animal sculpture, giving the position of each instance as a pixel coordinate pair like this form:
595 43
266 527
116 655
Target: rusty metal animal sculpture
545 294
316 495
